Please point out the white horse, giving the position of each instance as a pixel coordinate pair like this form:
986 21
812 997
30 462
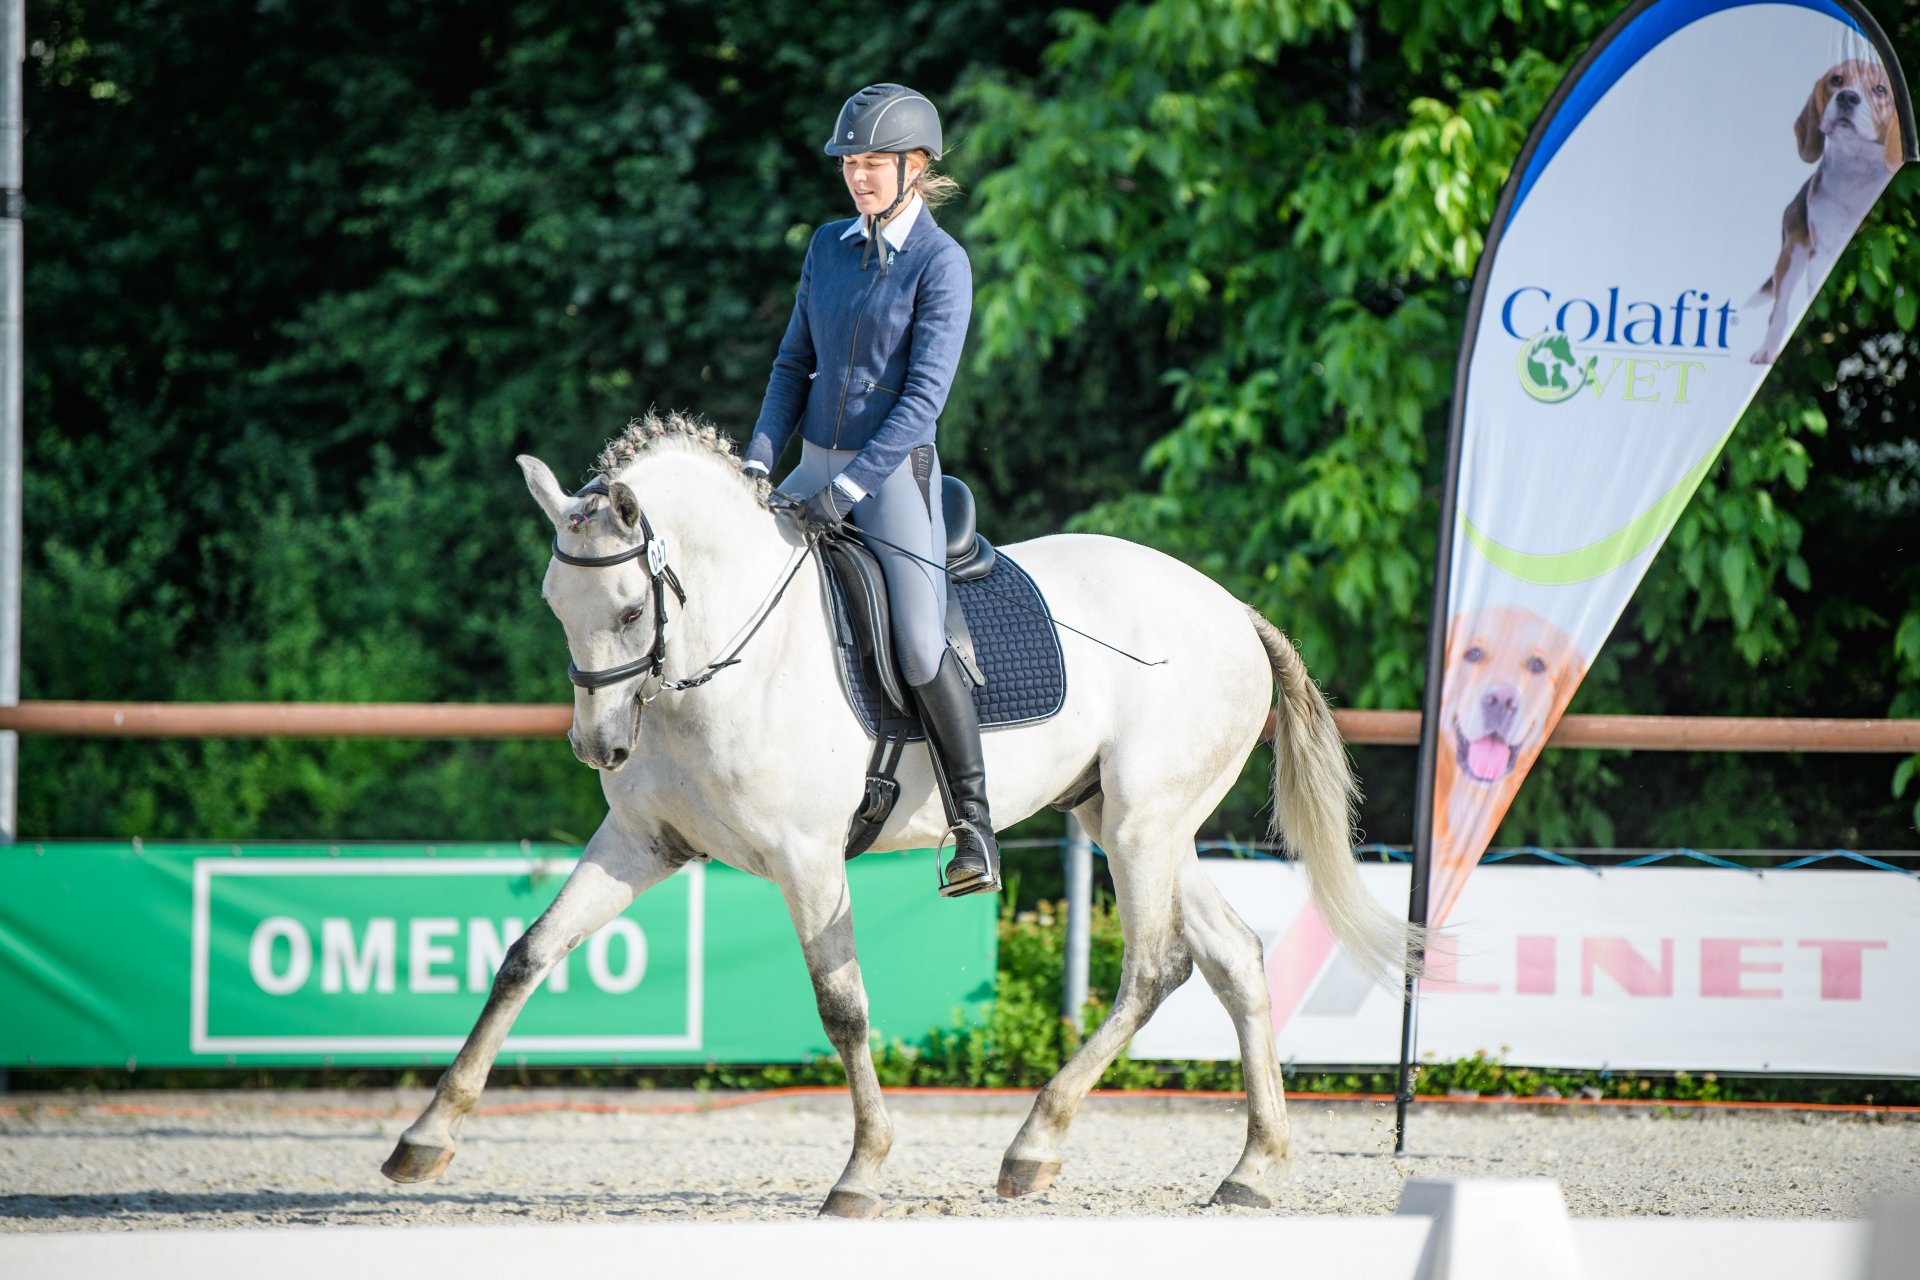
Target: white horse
761 767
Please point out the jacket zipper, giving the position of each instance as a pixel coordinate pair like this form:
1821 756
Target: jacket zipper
874 386
852 346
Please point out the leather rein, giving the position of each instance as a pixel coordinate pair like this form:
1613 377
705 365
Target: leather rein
652 664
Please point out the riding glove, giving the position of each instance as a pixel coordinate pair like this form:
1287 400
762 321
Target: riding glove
827 509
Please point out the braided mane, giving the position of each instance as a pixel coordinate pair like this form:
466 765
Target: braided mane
689 430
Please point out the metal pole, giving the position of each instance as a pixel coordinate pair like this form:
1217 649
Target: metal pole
1073 986
13 44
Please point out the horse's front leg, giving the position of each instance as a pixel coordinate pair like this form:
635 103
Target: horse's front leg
823 917
616 866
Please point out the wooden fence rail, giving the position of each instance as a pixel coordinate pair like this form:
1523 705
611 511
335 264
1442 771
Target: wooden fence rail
541 720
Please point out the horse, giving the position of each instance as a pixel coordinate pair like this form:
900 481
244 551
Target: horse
673 555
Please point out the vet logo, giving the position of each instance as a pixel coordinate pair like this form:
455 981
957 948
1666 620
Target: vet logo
1550 372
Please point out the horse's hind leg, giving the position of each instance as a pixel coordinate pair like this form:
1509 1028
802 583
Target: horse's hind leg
611 872
823 917
1228 954
1155 963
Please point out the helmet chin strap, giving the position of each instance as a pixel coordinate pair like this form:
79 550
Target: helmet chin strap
874 243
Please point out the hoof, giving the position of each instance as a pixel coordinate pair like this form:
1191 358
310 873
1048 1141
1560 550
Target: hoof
1241 1196
416 1162
1018 1177
842 1203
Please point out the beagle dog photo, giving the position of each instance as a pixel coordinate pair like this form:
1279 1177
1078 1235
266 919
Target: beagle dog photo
1850 129
1509 674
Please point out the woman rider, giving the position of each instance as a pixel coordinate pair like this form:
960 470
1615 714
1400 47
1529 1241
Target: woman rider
863 372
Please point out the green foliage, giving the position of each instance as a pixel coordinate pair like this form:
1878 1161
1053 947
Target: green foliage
1297 200
291 327
288 329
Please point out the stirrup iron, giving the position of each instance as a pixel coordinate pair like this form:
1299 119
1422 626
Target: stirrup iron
990 882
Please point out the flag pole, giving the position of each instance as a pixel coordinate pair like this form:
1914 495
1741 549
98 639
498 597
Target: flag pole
1418 896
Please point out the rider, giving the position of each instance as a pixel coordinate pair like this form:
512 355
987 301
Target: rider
863 372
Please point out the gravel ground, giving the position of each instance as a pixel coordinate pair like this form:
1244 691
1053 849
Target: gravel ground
242 1160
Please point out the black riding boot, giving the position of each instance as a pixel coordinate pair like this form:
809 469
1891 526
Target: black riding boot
953 734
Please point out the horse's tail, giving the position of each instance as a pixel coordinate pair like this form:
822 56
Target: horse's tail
1313 796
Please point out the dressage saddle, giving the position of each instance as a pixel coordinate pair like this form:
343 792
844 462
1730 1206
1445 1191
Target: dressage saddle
859 592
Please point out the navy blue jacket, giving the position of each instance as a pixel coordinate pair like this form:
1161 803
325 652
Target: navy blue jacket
867 359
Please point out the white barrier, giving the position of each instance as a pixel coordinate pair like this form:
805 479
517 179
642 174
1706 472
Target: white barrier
1628 968
1483 1231
1895 1251
1493 1229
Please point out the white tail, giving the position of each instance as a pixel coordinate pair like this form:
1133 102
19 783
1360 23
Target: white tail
1313 796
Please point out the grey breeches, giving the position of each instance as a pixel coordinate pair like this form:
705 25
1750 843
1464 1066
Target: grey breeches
905 511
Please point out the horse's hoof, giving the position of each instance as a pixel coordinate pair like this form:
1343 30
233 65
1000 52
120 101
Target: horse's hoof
416 1162
1019 1177
1241 1196
842 1203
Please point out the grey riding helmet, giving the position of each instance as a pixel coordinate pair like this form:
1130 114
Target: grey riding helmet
886 117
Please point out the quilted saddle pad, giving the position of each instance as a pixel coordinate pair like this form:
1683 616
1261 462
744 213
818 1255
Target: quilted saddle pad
1015 645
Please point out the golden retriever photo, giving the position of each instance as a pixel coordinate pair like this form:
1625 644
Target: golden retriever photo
1509 674
1851 130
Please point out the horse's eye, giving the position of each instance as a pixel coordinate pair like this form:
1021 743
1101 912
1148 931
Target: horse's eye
630 617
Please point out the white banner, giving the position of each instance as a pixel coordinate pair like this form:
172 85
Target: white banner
1648 968
1680 202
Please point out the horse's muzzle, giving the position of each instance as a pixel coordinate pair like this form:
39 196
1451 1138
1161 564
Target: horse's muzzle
596 754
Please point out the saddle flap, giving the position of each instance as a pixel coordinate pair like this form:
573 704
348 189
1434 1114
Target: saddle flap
862 589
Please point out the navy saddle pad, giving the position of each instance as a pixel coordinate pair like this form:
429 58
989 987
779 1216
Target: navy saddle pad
1015 645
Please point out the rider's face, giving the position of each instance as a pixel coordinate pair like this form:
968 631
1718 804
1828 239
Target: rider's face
873 178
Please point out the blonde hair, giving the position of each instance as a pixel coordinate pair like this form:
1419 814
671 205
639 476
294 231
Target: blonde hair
936 188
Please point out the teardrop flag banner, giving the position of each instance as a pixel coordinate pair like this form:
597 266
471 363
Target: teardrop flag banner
1685 192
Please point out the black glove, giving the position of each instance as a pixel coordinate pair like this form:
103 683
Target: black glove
827 509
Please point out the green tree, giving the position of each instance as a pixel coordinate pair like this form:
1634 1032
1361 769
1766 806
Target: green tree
289 328
301 281
1295 193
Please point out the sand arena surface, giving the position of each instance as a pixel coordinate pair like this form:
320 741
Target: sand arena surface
118 1162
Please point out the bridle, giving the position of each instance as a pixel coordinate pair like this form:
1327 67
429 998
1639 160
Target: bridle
659 572
652 664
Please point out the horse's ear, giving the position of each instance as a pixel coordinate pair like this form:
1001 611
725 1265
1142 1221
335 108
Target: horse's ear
626 507
545 489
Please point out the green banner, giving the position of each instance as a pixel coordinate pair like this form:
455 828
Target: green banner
198 955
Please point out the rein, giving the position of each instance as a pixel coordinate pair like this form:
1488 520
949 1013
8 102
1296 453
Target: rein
1018 604
653 662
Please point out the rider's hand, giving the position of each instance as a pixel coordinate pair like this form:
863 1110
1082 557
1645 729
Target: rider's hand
754 469
827 509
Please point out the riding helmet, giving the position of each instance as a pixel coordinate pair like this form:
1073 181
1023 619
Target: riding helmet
886 117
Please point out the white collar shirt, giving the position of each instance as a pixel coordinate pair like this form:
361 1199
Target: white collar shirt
896 230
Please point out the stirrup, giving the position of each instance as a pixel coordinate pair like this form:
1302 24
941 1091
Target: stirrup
989 882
